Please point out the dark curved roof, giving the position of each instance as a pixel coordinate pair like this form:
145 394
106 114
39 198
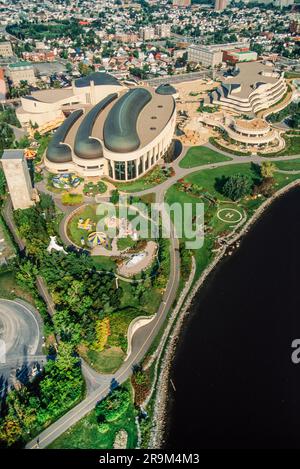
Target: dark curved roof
85 146
120 132
59 152
165 89
99 78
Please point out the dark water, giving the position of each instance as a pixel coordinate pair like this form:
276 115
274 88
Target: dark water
236 386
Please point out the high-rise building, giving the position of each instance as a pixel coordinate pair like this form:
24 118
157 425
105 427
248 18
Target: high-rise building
163 30
147 33
220 5
18 179
283 3
2 85
182 3
295 25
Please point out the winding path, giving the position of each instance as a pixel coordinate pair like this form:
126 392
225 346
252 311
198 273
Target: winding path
20 330
100 385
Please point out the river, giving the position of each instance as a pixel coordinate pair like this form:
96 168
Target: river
236 385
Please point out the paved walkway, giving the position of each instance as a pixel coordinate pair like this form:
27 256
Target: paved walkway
100 385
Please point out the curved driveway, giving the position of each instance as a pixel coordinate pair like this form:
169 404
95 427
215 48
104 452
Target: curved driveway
20 331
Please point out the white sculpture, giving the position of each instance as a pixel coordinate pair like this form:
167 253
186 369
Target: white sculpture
53 245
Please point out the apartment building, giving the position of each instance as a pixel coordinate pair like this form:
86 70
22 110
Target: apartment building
147 33
6 49
163 30
21 71
212 55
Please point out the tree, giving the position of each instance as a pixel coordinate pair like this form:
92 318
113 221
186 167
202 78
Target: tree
267 169
2 182
237 186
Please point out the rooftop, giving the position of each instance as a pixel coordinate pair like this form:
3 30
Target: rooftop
253 124
247 77
20 64
14 154
99 78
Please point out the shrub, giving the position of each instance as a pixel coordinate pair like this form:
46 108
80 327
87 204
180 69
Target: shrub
103 427
72 199
102 329
113 406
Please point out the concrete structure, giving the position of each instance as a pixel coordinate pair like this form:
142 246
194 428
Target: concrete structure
21 71
249 87
284 3
6 49
220 5
123 136
295 24
163 30
212 55
2 86
147 33
236 56
247 132
45 106
182 3
18 179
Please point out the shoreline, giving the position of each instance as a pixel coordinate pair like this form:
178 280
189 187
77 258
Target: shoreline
160 405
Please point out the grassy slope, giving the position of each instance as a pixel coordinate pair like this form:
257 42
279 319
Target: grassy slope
85 434
198 156
289 165
206 179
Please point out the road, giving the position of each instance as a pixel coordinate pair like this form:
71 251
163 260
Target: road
20 329
100 385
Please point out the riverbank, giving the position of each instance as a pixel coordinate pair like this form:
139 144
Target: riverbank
159 420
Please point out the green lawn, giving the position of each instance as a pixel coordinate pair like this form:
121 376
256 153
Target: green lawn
85 434
151 179
104 263
75 233
207 179
199 156
107 361
124 243
10 289
289 165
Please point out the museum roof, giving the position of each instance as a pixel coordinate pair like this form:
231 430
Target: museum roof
247 77
99 78
85 146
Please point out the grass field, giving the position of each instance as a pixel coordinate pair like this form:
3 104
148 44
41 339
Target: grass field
206 179
199 156
104 263
85 434
292 165
10 289
107 361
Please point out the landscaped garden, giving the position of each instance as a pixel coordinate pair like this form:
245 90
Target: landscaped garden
99 429
230 195
153 178
199 156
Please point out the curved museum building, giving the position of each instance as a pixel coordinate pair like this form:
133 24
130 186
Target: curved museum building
118 132
44 106
249 87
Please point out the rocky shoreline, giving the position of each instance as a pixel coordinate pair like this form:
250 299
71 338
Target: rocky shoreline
160 411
